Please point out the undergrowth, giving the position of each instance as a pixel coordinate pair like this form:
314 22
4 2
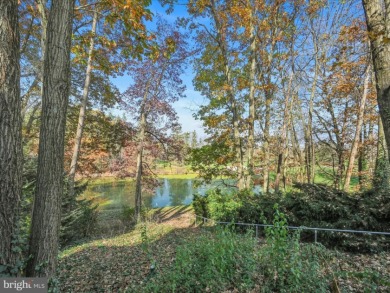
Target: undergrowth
224 260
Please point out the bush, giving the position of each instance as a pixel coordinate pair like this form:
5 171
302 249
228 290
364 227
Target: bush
311 205
127 215
321 206
240 206
287 265
213 263
79 217
199 204
221 260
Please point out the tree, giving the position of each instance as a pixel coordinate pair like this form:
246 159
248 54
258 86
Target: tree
194 139
378 25
106 50
220 77
359 124
49 187
80 124
156 84
10 135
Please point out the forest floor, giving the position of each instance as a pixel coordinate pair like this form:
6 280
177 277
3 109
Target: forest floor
122 263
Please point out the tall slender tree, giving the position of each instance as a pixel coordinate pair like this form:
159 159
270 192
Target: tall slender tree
83 107
378 24
49 187
359 124
10 133
155 86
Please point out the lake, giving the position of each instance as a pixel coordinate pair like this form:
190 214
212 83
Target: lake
171 192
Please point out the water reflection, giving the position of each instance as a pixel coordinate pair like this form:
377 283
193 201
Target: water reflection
171 192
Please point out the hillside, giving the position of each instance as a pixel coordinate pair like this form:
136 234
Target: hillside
123 263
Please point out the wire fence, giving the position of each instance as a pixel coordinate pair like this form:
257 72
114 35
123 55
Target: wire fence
206 220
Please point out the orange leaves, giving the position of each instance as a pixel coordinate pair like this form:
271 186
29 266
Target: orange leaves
215 121
243 14
355 32
109 44
314 6
132 13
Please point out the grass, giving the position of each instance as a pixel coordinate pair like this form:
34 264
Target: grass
123 263
179 176
113 179
104 180
128 239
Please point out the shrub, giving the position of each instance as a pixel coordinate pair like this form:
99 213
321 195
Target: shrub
321 206
311 205
79 217
199 204
127 215
213 263
221 260
239 206
287 265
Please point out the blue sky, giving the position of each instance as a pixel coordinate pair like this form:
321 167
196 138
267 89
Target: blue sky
184 107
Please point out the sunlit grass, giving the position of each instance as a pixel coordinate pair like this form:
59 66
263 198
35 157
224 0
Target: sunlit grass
178 176
132 238
103 180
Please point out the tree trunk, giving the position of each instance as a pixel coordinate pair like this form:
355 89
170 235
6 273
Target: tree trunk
381 150
361 163
11 156
80 124
359 123
309 144
138 176
340 168
283 138
252 113
31 120
298 152
369 151
41 4
378 25
266 135
49 187
227 74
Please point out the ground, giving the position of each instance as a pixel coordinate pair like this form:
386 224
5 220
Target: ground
123 263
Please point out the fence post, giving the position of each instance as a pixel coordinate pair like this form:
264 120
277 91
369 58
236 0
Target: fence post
257 231
315 236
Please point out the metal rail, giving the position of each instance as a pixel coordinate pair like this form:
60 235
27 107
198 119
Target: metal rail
205 220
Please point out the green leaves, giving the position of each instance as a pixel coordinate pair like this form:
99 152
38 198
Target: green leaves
212 161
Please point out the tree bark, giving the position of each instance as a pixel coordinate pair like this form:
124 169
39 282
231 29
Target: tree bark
11 155
266 135
252 111
359 123
309 144
361 163
138 176
83 108
381 150
378 25
41 4
49 187
228 78
283 137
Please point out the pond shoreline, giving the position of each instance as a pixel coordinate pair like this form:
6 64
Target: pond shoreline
112 193
112 179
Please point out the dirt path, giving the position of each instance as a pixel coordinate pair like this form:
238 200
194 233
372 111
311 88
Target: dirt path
121 263
179 217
